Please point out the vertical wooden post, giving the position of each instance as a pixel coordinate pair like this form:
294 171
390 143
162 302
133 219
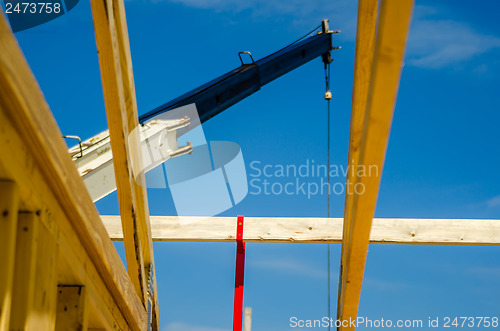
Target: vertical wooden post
72 311
24 282
8 226
43 314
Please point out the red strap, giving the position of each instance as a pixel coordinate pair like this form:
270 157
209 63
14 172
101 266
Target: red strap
239 277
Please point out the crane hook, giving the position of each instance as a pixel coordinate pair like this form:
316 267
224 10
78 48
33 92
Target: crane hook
328 95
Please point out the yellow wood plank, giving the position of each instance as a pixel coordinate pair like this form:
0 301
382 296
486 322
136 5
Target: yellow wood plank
25 271
479 232
8 226
365 45
33 154
392 30
121 109
131 116
75 265
43 313
72 308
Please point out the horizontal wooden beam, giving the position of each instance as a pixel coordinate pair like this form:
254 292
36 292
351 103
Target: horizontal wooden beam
317 230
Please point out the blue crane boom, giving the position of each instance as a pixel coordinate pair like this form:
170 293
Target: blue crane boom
221 93
159 134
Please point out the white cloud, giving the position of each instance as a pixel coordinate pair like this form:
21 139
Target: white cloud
433 42
292 266
493 202
179 326
342 13
489 272
383 285
437 43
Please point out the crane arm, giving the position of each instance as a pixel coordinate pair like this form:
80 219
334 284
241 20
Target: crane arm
93 157
221 93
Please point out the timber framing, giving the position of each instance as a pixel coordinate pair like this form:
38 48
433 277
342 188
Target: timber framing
482 232
77 249
121 109
378 63
60 268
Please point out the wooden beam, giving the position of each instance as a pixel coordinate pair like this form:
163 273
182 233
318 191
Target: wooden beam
8 228
72 308
317 230
392 30
75 267
25 270
33 154
365 45
121 109
43 314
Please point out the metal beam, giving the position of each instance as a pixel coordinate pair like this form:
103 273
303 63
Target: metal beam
121 109
221 93
390 43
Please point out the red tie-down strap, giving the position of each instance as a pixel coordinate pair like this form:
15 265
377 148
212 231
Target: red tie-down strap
239 276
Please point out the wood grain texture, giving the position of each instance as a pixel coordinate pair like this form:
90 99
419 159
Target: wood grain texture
317 230
25 271
72 308
33 154
121 109
111 73
8 227
44 310
365 45
390 43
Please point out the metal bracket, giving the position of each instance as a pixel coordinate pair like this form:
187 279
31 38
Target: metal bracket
326 28
79 143
239 54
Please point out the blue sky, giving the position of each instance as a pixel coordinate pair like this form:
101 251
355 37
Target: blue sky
442 159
